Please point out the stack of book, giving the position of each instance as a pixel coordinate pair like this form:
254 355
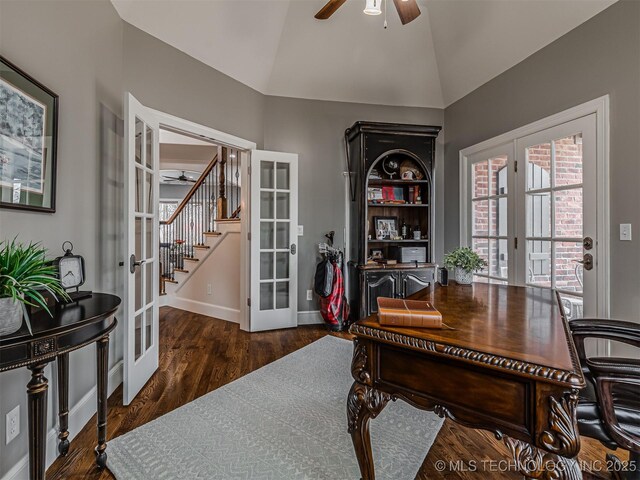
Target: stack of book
408 313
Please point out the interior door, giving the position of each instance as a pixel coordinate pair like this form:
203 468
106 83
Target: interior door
273 245
141 266
558 213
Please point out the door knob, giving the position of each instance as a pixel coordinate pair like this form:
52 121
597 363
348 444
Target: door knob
133 264
587 263
293 249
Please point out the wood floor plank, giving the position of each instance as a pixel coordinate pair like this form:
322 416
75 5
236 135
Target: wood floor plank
199 354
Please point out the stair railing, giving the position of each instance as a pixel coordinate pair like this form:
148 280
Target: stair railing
214 196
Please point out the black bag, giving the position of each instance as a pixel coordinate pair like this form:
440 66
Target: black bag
323 282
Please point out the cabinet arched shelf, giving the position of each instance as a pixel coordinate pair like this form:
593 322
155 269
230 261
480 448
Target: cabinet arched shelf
391 175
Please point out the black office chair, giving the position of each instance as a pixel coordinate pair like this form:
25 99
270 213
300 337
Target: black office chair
609 407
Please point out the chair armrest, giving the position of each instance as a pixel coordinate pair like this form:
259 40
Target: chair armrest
618 330
609 373
614 367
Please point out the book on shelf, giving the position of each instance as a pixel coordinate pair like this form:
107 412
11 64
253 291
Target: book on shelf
399 312
385 261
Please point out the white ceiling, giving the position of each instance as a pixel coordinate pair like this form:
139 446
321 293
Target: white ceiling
278 48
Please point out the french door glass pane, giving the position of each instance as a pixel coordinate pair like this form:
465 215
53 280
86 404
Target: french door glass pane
539 215
138 336
539 166
139 190
282 176
481 247
282 235
568 213
149 147
266 205
138 142
148 185
266 235
568 160
148 334
568 272
480 179
498 178
282 205
539 263
498 224
282 265
266 296
266 174
498 258
266 265
480 217
282 294
148 273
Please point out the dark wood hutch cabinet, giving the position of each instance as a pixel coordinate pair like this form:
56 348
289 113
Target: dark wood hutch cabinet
378 157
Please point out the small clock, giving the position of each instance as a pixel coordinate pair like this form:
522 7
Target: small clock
71 271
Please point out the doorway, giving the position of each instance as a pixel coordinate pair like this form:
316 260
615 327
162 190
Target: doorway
534 205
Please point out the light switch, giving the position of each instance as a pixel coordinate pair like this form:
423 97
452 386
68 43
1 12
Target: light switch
300 230
625 232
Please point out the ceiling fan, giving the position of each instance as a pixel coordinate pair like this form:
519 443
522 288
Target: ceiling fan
180 178
407 9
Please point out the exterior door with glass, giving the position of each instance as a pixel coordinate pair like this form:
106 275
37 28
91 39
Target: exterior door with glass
273 246
558 219
141 265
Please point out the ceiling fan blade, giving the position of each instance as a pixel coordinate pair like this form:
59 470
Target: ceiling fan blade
329 9
407 9
170 178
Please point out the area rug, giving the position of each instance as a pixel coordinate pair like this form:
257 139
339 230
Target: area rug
286 420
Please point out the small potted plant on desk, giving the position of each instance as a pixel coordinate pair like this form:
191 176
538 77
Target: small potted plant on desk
465 262
25 278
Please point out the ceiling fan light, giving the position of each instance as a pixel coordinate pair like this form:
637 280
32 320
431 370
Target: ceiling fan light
372 7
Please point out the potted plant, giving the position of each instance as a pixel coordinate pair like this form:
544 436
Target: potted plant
25 276
465 261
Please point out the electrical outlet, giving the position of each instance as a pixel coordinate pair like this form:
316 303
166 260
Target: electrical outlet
12 422
309 294
209 289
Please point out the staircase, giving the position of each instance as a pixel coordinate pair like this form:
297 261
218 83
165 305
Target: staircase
188 236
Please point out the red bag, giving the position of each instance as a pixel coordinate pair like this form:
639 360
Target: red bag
334 308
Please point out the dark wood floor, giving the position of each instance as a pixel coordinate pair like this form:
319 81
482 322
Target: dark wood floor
199 354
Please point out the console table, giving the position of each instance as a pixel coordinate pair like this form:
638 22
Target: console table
72 326
507 365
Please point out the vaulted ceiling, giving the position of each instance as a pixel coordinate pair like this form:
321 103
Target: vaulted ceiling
278 48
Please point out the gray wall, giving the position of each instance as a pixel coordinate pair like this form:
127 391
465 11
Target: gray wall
75 48
599 57
315 131
166 79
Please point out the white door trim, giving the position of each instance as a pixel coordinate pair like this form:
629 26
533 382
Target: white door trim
599 107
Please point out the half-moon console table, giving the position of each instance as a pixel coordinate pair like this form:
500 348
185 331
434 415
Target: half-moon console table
72 326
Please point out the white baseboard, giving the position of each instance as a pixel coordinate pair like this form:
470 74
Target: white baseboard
311 317
79 415
216 311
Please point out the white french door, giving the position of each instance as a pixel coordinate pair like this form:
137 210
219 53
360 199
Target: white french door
530 209
141 267
273 245
558 213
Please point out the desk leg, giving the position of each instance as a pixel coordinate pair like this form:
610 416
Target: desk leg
63 403
363 404
103 373
535 463
37 412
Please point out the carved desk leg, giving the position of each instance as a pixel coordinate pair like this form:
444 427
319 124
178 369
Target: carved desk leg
537 464
37 412
63 403
363 404
103 373
558 441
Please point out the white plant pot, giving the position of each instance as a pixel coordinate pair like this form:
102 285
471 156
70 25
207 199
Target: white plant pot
10 316
463 277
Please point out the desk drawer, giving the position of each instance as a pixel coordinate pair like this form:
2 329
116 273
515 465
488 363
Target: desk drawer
475 393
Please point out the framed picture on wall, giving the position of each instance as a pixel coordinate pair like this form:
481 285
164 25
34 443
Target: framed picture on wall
28 141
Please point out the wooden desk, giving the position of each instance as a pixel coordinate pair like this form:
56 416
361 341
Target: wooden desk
509 366
72 327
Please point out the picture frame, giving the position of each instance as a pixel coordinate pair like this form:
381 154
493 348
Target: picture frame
28 141
386 227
